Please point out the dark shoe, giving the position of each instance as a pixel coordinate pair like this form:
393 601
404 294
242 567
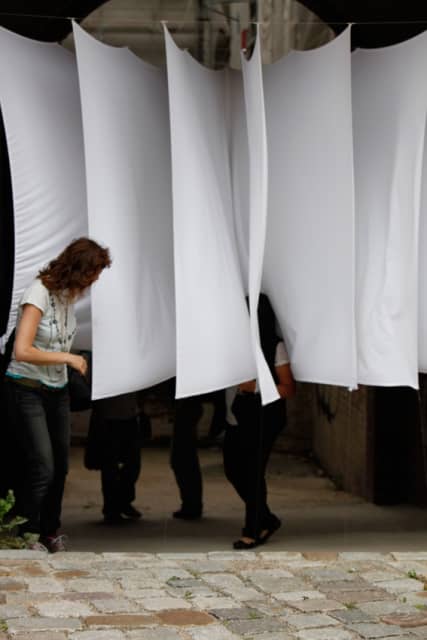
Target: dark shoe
241 545
131 512
268 531
114 518
186 514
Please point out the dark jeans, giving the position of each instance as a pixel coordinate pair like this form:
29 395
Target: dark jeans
184 458
247 448
121 464
40 419
9 475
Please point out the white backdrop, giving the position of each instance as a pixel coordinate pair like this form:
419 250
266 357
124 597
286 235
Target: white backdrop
258 190
213 336
422 271
239 161
309 254
39 97
389 107
127 147
262 173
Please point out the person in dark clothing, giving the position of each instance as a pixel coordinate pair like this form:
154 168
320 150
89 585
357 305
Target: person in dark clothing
184 457
114 447
252 431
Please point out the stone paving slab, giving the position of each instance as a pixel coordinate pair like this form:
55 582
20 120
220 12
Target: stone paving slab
213 596
322 605
42 635
375 630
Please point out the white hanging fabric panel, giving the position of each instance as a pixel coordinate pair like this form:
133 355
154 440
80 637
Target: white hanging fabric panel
213 334
389 107
422 271
127 148
239 158
258 190
39 97
309 253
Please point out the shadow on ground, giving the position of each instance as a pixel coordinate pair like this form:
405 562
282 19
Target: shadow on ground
315 515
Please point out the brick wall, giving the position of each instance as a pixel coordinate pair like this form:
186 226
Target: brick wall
332 423
340 436
298 436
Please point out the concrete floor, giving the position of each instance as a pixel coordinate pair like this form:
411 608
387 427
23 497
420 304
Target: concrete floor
315 516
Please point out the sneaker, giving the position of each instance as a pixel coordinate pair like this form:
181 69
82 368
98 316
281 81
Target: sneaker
55 544
131 512
33 543
36 546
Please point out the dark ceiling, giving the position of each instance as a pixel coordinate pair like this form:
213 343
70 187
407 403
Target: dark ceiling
380 22
53 25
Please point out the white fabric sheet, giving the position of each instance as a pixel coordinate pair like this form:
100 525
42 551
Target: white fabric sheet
39 98
213 334
258 190
127 147
422 271
239 158
309 254
389 107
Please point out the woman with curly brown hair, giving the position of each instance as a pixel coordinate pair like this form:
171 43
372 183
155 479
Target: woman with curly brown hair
37 383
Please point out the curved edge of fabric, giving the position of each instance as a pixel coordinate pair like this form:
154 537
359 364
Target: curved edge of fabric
44 150
126 141
309 264
25 39
213 325
258 170
389 107
326 46
7 233
124 51
414 41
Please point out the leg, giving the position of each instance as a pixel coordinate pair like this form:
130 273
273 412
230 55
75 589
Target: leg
238 458
218 422
234 461
130 458
274 420
184 457
58 421
110 472
262 435
35 449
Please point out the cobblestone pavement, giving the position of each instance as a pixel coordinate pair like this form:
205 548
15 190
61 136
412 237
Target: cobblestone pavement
213 596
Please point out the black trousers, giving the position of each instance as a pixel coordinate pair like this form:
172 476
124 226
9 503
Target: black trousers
247 448
40 420
121 464
184 458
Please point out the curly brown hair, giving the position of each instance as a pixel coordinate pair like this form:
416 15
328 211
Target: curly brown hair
76 268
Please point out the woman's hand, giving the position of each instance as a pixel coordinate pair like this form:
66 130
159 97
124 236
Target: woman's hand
286 390
78 363
25 351
286 383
